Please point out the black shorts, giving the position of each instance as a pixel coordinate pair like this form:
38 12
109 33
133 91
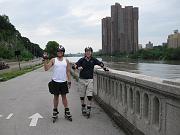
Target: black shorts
58 88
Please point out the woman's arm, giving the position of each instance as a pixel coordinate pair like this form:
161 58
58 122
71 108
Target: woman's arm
48 65
68 70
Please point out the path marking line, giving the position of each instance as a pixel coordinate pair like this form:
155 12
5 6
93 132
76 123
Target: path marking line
9 116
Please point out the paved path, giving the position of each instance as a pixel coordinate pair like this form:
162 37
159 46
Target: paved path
28 94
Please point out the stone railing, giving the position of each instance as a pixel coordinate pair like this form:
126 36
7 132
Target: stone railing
138 103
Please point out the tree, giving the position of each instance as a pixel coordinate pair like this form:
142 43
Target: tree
51 48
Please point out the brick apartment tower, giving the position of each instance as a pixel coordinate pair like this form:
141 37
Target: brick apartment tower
106 35
120 31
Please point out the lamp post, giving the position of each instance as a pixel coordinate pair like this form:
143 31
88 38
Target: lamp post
17 53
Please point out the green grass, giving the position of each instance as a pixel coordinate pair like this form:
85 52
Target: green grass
13 74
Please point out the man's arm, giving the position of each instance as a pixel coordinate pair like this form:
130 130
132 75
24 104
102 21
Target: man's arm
101 64
48 65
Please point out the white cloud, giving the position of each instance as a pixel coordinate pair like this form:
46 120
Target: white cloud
45 30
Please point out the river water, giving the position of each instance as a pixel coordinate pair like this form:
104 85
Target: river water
161 69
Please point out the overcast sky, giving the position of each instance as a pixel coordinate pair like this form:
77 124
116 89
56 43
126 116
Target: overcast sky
77 23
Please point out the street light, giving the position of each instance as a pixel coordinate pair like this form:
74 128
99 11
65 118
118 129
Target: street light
17 53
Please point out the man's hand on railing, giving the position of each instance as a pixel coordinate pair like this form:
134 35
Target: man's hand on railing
105 69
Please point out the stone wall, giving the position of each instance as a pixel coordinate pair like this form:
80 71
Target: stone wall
139 103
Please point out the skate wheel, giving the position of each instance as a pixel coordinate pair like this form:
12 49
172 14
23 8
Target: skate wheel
54 120
70 119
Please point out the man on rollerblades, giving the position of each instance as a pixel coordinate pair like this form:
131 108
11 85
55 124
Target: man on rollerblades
60 82
86 67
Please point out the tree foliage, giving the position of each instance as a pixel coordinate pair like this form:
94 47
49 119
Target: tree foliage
11 40
51 48
158 53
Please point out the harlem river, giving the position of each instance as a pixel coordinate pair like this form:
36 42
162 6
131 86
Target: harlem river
161 69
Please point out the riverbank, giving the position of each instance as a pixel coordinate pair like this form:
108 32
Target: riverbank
156 53
130 60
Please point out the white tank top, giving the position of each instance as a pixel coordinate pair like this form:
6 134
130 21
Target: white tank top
59 71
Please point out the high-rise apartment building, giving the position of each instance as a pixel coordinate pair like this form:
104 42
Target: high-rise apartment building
123 30
106 35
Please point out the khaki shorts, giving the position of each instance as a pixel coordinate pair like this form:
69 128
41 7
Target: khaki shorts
85 87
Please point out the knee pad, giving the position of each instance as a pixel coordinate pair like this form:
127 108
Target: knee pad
81 98
89 98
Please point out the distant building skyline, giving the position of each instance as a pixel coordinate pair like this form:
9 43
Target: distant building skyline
120 31
149 45
140 46
173 40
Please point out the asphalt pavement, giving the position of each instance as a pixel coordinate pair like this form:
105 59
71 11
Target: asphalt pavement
26 109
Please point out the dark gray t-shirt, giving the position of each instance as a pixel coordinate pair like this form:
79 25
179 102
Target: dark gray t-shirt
88 67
